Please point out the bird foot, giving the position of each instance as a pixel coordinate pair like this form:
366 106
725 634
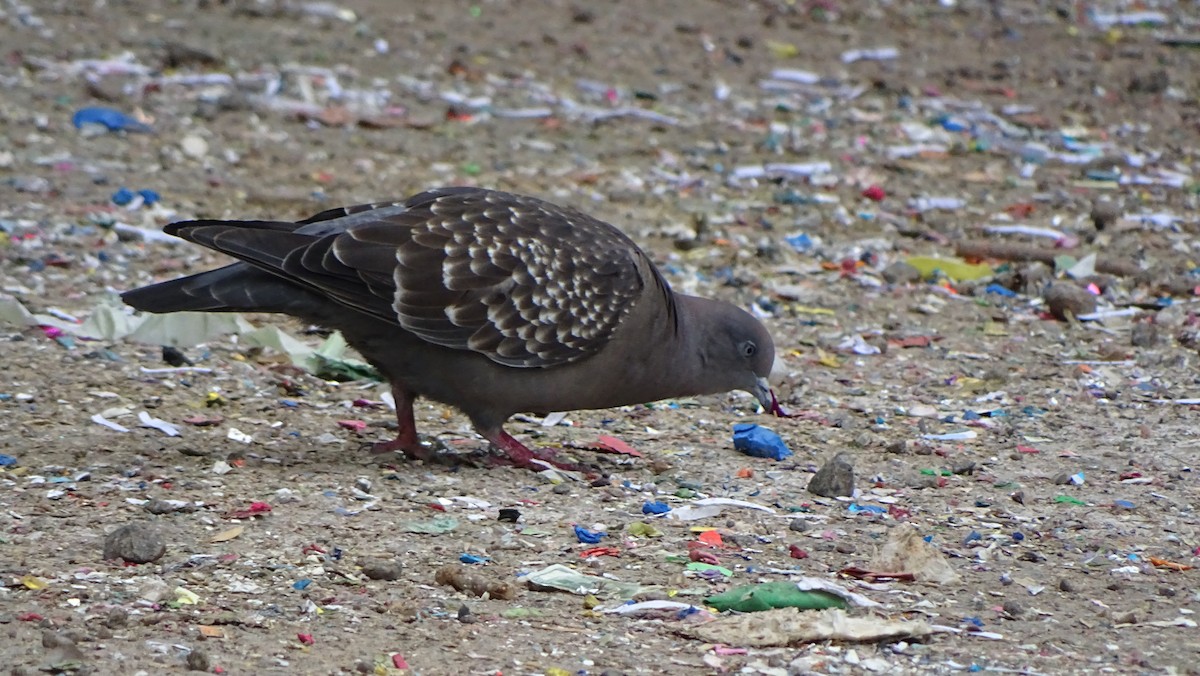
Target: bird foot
538 460
519 455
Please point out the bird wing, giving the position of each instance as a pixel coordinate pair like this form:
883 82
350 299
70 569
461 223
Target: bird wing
521 281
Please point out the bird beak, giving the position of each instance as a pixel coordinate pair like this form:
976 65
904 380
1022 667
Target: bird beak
762 392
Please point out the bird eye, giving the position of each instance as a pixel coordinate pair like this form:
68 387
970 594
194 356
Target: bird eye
749 349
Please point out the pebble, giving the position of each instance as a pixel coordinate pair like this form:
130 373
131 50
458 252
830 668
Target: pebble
798 525
1144 334
136 542
835 479
1063 298
1105 212
197 660
193 146
383 570
116 618
1014 609
900 272
1066 586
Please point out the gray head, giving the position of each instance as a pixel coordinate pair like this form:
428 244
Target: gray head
734 350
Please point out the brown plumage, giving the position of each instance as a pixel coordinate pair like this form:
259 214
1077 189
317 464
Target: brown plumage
491 302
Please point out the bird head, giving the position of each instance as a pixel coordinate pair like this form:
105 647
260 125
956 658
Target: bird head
737 352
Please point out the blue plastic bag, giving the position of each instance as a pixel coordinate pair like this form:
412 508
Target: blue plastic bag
109 118
759 442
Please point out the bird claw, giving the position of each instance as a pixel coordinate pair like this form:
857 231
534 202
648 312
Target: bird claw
538 460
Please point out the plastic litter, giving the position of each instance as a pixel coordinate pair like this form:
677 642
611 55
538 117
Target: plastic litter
759 442
109 118
808 593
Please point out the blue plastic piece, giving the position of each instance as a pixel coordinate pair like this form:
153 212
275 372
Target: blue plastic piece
109 118
149 196
759 442
588 537
122 197
301 584
472 558
1000 290
866 509
7 460
800 242
655 508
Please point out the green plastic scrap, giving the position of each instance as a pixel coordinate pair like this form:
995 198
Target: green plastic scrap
433 526
752 598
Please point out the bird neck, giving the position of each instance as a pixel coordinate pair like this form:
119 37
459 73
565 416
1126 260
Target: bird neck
687 360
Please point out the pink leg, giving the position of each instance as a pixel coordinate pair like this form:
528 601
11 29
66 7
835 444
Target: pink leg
406 437
518 455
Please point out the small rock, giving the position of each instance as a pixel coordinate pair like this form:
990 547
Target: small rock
1062 478
379 569
900 273
1066 586
116 618
798 525
835 479
1063 298
561 489
1154 82
1144 334
162 507
1014 609
844 548
137 542
964 467
193 146
197 660
1104 213
61 652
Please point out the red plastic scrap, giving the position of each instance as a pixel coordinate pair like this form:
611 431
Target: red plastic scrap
874 193
255 509
353 425
599 551
1020 209
797 553
711 538
399 662
610 444
306 639
1026 449
914 341
704 557
312 549
30 617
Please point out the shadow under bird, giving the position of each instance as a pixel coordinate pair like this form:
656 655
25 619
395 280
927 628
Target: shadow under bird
490 302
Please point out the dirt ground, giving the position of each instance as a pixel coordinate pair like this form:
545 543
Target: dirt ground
1064 499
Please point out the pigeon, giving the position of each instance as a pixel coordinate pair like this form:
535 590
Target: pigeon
490 302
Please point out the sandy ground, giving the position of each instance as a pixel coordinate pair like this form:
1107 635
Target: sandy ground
1066 511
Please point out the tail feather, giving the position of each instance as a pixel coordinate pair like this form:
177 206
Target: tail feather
234 288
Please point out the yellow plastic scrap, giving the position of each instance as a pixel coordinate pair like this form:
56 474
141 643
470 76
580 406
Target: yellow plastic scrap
828 359
641 529
186 597
954 268
782 50
806 310
34 583
555 671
